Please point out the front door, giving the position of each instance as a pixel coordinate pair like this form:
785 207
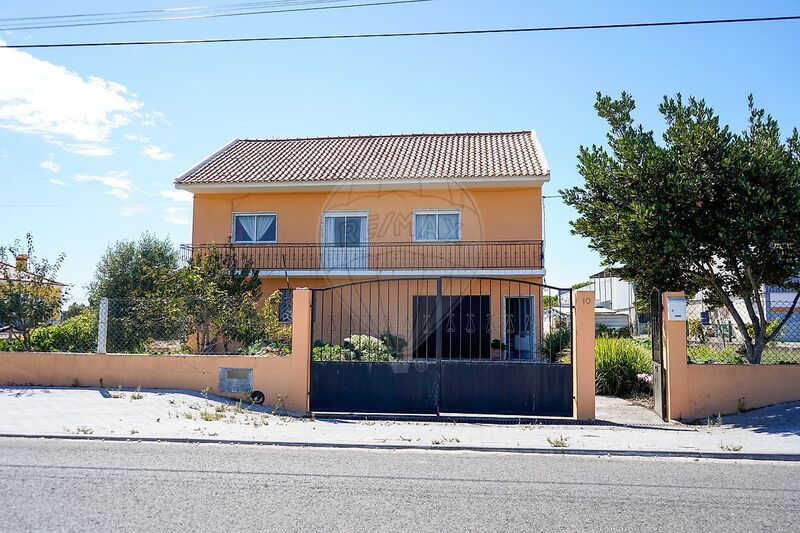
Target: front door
344 237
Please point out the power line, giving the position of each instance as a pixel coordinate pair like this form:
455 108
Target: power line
221 7
406 34
215 15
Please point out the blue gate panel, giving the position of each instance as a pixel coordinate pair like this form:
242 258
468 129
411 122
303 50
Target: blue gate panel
506 388
374 387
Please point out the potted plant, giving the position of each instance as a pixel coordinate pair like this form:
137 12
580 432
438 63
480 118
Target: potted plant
497 350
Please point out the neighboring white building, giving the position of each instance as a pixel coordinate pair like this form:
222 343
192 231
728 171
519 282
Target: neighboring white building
614 300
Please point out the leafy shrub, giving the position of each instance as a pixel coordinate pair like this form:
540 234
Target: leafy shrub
554 343
276 331
772 325
394 343
322 351
10 345
618 363
368 348
601 330
703 353
75 334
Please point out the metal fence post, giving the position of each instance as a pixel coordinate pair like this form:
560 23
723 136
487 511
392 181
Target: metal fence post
102 326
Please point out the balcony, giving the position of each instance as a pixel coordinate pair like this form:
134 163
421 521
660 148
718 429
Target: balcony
514 257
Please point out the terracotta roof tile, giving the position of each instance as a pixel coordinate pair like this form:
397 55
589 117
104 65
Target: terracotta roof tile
412 156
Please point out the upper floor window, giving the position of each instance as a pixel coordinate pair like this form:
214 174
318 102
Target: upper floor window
437 225
254 227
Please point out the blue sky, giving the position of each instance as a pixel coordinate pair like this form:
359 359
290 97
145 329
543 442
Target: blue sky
91 139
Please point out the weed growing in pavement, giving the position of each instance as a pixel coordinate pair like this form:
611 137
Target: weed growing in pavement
731 447
204 393
280 406
75 382
187 415
117 393
740 405
714 422
558 442
220 408
194 406
137 394
84 430
211 417
238 407
171 401
134 432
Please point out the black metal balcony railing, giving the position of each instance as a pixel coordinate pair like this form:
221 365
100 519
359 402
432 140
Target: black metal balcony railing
462 255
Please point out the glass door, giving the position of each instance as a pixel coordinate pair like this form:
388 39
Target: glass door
520 332
344 241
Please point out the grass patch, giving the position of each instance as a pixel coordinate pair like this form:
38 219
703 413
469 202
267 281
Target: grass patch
618 364
558 442
210 416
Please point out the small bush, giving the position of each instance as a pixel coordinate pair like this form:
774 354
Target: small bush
75 334
602 330
703 353
618 363
554 343
10 345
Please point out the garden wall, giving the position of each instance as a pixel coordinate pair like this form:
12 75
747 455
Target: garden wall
696 391
278 377
274 376
726 389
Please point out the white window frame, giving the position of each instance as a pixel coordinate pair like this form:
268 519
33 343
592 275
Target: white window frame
434 212
343 213
250 213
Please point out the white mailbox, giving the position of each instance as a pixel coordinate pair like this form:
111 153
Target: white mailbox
676 308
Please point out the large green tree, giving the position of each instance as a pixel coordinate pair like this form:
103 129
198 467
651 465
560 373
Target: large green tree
133 268
706 209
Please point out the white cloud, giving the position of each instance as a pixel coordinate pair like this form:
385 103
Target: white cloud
75 112
117 183
134 137
50 165
155 152
58 182
177 195
177 215
131 210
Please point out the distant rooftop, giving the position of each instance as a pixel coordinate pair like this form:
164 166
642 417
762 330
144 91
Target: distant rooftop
422 156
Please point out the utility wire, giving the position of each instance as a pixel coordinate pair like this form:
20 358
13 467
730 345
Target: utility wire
406 34
214 15
187 9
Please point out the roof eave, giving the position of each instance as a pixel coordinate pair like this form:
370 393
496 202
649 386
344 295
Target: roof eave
472 182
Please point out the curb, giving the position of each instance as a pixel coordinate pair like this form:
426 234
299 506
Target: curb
790 457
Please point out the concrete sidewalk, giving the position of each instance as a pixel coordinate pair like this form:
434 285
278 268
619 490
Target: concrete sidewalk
182 415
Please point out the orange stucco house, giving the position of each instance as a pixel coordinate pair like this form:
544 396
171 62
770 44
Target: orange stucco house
462 209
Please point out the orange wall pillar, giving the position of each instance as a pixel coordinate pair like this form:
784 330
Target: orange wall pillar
676 365
301 338
583 355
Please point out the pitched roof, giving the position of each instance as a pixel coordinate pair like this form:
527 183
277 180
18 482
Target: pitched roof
10 272
373 157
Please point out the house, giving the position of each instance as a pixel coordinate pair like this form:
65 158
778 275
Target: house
18 273
393 215
615 299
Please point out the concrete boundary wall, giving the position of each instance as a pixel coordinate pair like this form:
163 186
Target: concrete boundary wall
283 379
696 391
583 365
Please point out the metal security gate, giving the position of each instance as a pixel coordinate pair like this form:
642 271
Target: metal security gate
442 345
659 381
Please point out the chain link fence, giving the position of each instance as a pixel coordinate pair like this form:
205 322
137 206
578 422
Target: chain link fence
714 337
220 325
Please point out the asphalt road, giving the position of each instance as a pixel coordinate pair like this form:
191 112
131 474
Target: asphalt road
80 486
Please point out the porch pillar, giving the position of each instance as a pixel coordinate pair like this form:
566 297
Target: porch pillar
301 344
676 365
583 380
